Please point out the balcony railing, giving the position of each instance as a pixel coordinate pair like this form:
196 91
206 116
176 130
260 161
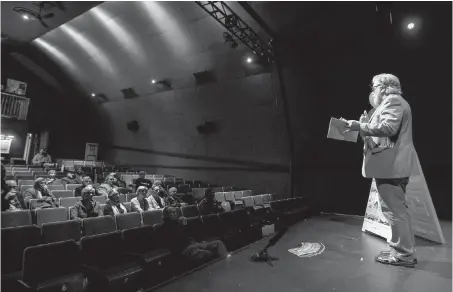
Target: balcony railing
14 106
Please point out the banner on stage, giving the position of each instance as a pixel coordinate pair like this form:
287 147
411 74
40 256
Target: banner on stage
425 223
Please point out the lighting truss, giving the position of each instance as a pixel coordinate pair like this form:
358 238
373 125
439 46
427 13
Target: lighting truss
237 27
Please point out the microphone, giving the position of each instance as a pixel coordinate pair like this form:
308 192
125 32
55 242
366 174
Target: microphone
263 256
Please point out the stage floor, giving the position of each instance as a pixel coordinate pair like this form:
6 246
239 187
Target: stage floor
346 265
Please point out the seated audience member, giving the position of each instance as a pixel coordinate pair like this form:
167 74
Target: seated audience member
142 181
42 193
70 177
140 203
172 192
155 202
113 206
52 178
5 189
87 207
209 205
118 181
108 185
86 181
173 232
42 158
78 173
13 197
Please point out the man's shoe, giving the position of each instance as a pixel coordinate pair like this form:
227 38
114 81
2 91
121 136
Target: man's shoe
391 260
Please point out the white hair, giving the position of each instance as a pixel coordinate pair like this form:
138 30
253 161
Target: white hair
390 82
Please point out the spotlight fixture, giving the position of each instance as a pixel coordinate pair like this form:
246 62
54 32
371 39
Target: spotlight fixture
249 60
228 38
29 14
411 25
153 81
93 94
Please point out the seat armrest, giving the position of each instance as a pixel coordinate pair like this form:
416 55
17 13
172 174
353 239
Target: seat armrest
25 285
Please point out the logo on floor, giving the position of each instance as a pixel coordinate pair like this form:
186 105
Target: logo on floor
308 249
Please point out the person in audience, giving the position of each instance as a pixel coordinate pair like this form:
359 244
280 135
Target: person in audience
14 199
78 173
114 206
86 181
40 191
172 193
108 185
174 233
70 177
87 207
140 203
52 178
5 189
209 205
142 180
42 158
154 200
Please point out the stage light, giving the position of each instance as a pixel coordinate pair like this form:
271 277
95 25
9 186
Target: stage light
153 81
93 94
249 60
25 16
411 25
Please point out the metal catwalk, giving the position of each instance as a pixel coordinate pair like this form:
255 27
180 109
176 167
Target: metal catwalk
347 264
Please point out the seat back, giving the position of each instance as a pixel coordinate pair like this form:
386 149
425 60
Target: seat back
14 241
17 218
98 225
184 189
220 196
128 221
238 195
128 206
248 201
152 217
198 193
63 194
123 198
240 217
25 182
23 176
51 215
61 231
258 200
226 219
69 202
55 187
228 189
247 193
266 198
195 227
23 188
71 187
130 196
100 199
190 211
229 196
211 224
140 239
226 206
100 250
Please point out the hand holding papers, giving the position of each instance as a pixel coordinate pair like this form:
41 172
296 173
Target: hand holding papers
337 130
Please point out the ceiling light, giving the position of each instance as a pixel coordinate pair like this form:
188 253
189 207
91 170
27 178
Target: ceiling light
249 60
25 16
153 81
93 94
411 25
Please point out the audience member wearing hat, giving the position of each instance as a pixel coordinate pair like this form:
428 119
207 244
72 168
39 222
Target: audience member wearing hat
87 207
114 206
42 193
174 232
70 177
142 180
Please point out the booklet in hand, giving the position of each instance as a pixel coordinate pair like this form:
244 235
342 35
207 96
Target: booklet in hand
336 131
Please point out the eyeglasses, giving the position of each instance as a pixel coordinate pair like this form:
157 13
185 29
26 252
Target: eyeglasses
373 87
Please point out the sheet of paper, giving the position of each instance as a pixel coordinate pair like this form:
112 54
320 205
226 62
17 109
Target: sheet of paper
336 129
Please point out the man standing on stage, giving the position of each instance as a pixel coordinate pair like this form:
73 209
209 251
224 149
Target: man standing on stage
389 158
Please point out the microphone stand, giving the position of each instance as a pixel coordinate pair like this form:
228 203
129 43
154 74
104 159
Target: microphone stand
263 256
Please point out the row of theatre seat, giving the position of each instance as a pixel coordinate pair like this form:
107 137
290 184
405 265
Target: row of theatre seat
120 253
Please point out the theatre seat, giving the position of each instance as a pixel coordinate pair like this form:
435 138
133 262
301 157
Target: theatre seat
195 228
71 187
56 187
51 215
100 199
212 227
190 211
61 231
142 243
128 221
69 202
107 265
24 187
130 196
98 225
14 241
152 217
15 219
63 194
198 193
53 267
25 182
220 196
128 206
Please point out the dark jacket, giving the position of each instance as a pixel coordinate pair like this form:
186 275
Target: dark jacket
174 236
47 201
110 210
209 207
143 182
80 212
